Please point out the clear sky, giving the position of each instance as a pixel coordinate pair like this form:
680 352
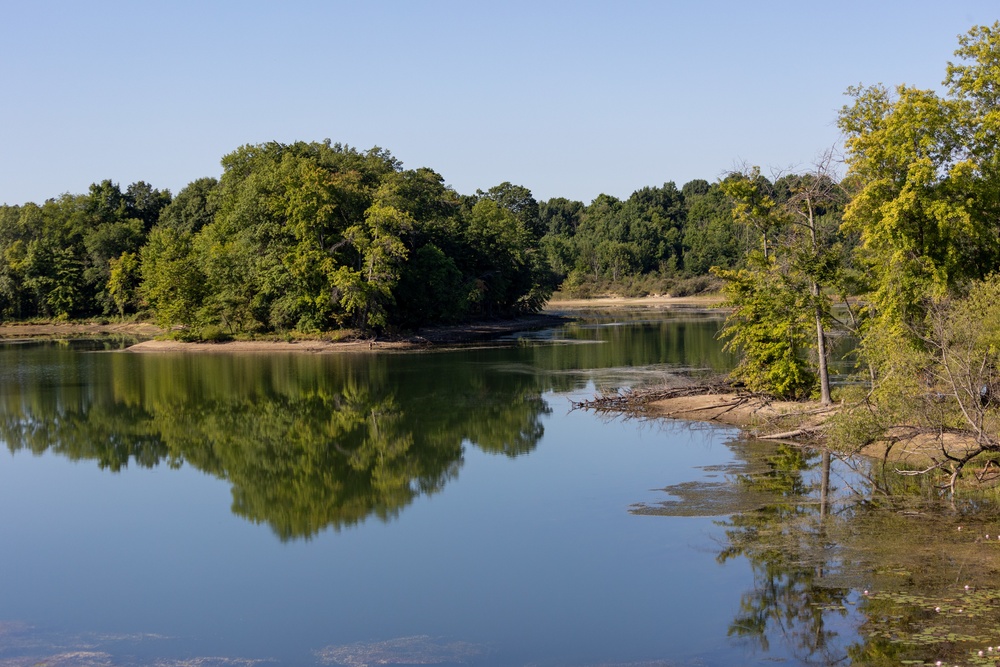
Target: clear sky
570 99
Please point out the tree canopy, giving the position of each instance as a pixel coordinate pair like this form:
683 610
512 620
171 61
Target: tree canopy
302 236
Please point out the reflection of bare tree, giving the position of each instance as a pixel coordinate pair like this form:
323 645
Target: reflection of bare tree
779 504
786 544
892 561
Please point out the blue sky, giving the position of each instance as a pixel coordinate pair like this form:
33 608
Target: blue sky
569 99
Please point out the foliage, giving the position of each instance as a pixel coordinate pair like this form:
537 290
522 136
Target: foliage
769 326
944 390
926 206
711 236
57 259
926 212
302 236
193 207
172 282
314 236
123 281
781 309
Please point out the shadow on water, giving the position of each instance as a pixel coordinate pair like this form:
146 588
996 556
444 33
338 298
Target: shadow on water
846 569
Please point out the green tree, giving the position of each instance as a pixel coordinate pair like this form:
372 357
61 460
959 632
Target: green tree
769 327
430 289
367 292
753 204
173 284
785 283
711 237
560 216
110 224
502 271
277 241
124 281
518 200
654 221
925 208
947 389
16 300
145 203
193 207
813 204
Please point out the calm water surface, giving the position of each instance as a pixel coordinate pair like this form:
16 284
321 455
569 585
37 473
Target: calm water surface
444 508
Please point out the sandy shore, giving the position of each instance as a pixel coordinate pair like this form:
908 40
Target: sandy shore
240 346
801 422
700 301
430 338
752 415
16 330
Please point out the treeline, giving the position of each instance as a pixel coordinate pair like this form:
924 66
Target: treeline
661 239
307 236
318 236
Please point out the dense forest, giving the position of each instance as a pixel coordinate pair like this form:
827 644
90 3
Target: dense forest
318 236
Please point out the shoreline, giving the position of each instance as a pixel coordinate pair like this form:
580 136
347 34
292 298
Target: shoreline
552 314
707 301
802 424
431 338
58 330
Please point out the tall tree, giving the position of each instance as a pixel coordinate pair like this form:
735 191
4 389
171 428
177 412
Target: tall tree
193 207
173 282
815 248
783 286
926 203
518 200
367 292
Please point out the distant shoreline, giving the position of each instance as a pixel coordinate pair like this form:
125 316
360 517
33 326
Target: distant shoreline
429 338
422 338
611 302
60 330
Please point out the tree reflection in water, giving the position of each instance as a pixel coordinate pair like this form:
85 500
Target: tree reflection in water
788 548
869 573
307 443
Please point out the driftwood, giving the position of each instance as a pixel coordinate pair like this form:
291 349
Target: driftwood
784 426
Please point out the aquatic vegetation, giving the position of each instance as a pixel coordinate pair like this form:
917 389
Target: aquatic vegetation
849 564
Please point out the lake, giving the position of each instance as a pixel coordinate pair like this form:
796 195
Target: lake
451 508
